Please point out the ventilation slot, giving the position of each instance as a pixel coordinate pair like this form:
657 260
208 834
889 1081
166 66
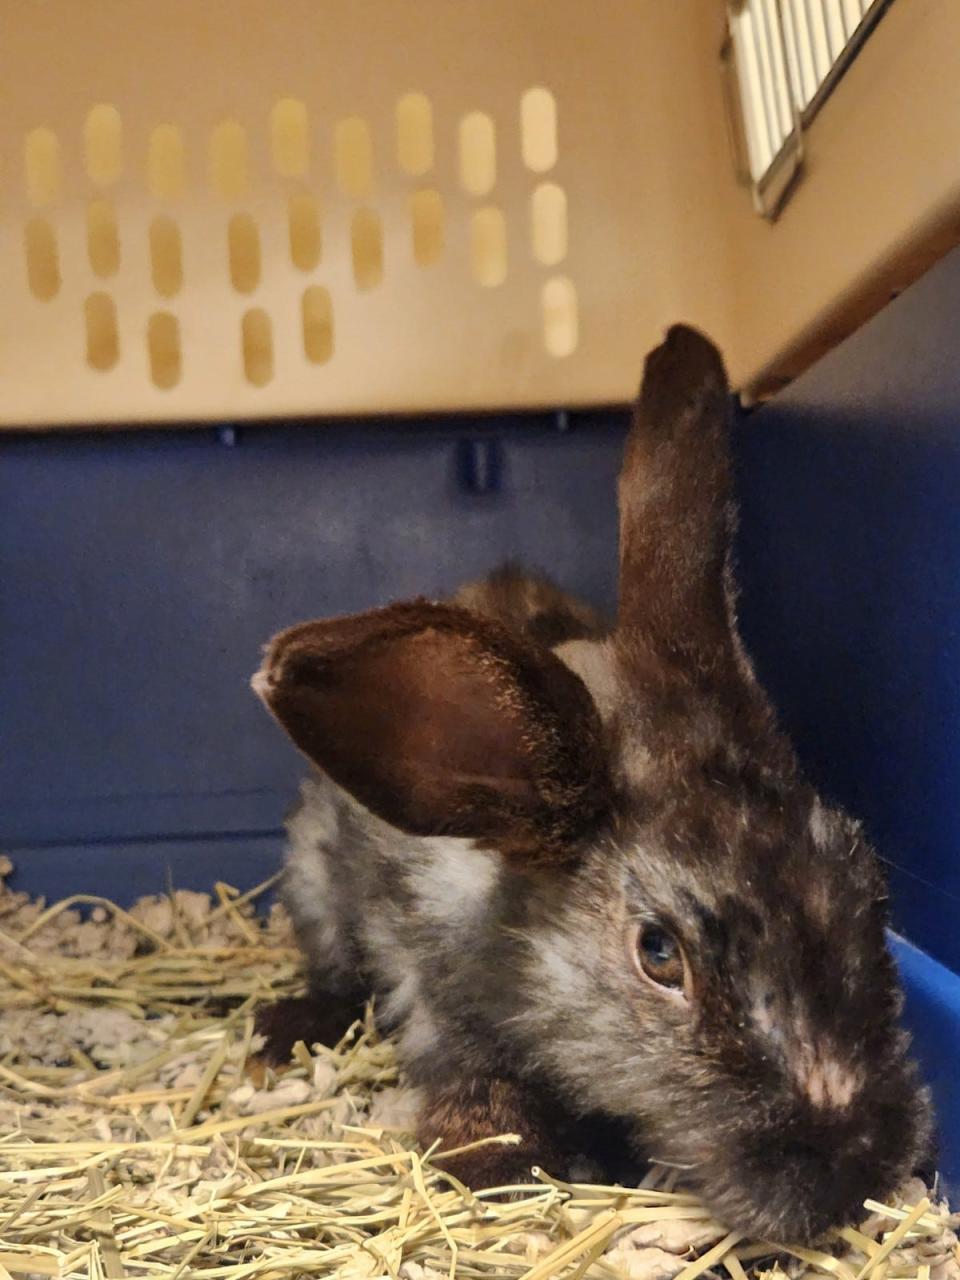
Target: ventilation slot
560 325
304 222
103 145
103 344
43 262
163 348
538 129
103 239
415 134
166 257
166 163
244 245
478 154
548 217
366 237
426 216
317 317
257 337
290 136
354 158
41 156
488 247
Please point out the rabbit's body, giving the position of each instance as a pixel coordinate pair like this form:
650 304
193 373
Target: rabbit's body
377 912
582 873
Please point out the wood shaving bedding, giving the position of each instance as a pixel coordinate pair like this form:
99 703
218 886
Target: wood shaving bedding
140 1137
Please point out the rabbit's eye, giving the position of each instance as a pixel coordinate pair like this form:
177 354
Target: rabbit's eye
660 957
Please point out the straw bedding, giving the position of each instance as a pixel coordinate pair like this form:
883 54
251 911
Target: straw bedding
140 1137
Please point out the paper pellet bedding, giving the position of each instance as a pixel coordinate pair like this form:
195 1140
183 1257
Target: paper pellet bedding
139 1137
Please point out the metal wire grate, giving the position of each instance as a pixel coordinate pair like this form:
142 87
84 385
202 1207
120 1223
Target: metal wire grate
787 56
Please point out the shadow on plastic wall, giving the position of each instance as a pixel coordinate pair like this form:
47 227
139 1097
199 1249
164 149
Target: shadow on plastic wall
849 561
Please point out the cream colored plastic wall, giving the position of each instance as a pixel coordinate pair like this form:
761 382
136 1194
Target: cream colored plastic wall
219 209
228 208
877 201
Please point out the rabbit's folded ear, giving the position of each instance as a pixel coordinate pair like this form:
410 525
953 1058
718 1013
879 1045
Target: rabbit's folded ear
442 723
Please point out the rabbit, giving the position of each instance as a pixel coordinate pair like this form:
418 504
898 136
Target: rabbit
580 869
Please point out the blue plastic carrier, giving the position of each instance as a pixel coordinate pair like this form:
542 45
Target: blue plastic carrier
140 573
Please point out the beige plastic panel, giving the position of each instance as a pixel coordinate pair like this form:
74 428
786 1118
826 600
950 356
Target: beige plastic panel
877 203
230 208
217 209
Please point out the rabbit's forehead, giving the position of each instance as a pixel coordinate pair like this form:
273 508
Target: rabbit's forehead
757 907
733 853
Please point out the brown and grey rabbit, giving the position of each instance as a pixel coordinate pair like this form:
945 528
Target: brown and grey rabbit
583 875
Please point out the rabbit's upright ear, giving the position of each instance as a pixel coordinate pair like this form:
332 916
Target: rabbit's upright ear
443 723
676 512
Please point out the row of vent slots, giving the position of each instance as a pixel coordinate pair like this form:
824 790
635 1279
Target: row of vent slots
488 242
558 302
229 164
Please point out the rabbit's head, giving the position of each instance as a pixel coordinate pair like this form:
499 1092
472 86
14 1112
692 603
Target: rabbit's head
696 942
714 970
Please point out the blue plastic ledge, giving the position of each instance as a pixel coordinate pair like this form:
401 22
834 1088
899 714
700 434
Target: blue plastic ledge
933 1015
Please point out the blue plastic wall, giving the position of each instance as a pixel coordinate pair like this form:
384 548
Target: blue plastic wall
850 550
932 1014
140 573
850 563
